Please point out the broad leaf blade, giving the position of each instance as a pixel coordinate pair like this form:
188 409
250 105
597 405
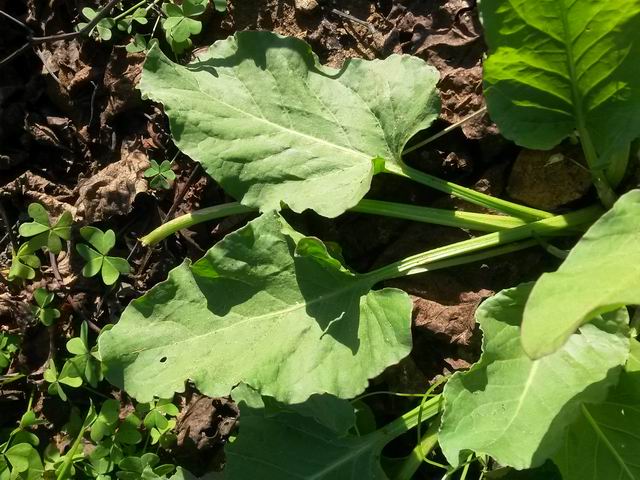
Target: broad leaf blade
300 324
603 442
514 408
559 65
292 446
601 273
271 125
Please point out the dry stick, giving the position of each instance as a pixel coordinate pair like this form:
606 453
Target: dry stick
31 40
445 131
5 219
171 211
370 27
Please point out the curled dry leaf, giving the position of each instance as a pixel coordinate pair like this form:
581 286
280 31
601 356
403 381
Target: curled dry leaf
113 189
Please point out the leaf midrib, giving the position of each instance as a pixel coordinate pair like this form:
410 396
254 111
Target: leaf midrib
266 121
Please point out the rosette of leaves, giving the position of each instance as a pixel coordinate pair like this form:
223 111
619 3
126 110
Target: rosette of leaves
103 28
180 23
95 254
42 310
160 175
43 232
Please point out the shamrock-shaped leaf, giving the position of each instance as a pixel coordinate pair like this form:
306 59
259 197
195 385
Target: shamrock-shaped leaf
157 423
220 5
84 363
9 345
138 44
24 262
161 175
179 25
106 423
104 26
57 380
143 467
41 310
127 433
96 256
50 236
138 16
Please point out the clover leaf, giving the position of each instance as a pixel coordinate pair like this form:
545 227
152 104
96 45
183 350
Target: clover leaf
84 364
43 231
179 25
139 16
143 468
9 345
160 427
138 44
19 458
58 380
160 175
96 256
41 310
103 27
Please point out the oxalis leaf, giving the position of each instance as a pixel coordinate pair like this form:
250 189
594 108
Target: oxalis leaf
272 125
267 307
601 273
560 65
516 409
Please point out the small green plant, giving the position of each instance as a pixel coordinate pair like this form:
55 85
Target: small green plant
58 381
146 466
180 23
96 255
24 262
160 175
9 345
19 458
43 231
103 29
42 310
84 363
159 421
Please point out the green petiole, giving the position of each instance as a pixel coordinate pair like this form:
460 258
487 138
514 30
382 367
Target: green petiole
456 253
468 194
469 220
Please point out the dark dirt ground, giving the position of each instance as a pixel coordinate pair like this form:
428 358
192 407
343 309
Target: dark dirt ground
75 135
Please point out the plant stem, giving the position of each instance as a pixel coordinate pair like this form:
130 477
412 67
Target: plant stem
409 420
561 224
413 461
468 194
68 460
470 220
598 175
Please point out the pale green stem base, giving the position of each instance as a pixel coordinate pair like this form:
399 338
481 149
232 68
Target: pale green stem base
413 461
469 220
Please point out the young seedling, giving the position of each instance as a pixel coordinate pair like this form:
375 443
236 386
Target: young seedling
45 233
47 315
180 24
58 380
95 254
23 262
160 175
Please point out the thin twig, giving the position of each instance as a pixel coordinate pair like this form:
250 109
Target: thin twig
46 66
31 40
445 131
5 219
15 20
370 27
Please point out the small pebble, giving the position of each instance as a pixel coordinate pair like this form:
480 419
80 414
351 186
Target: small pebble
306 5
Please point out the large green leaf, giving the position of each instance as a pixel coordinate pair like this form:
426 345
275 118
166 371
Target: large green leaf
515 409
272 125
603 442
560 65
601 273
265 306
287 446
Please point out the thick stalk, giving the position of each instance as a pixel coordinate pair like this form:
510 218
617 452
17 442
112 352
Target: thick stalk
412 462
468 194
409 420
598 175
469 220
561 224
